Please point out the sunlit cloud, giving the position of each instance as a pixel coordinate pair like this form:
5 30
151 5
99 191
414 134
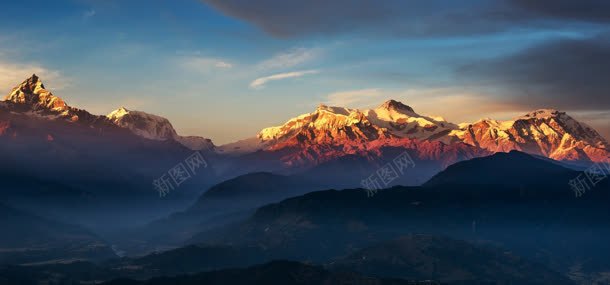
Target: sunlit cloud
260 82
290 58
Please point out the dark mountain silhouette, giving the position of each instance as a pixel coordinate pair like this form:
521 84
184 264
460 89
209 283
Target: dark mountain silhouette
513 168
259 185
540 219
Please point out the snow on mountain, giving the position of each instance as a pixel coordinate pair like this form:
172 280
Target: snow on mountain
544 132
143 124
330 133
338 131
154 127
402 121
31 98
32 92
196 142
325 125
392 118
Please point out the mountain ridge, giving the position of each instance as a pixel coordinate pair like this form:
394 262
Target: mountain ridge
545 132
329 132
32 98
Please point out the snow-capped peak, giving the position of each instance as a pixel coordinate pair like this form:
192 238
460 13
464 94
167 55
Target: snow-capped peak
334 110
545 132
392 117
143 124
118 113
542 114
32 93
396 106
154 127
401 120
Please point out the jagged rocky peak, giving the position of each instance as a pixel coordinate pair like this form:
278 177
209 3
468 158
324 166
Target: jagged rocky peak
334 110
395 105
33 93
563 122
542 114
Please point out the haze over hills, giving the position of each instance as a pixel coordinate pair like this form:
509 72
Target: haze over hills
29 238
467 201
330 148
348 231
292 142
338 147
66 163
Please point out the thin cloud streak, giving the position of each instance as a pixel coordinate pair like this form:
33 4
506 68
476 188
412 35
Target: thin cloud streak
203 64
89 13
290 58
260 82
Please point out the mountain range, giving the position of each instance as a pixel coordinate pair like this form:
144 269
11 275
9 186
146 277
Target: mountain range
32 98
544 132
482 190
331 132
76 167
334 146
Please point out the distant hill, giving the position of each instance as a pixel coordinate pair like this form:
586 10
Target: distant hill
513 168
530 210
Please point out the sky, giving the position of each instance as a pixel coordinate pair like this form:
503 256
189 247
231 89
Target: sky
225 69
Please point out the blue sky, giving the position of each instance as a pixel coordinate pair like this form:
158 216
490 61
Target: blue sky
226 69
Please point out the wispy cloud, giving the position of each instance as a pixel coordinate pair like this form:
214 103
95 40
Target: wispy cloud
222 64
290 58
203 64
354 97
260 82
88 14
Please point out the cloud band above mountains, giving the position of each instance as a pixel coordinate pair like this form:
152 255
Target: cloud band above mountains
566 74
293 18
